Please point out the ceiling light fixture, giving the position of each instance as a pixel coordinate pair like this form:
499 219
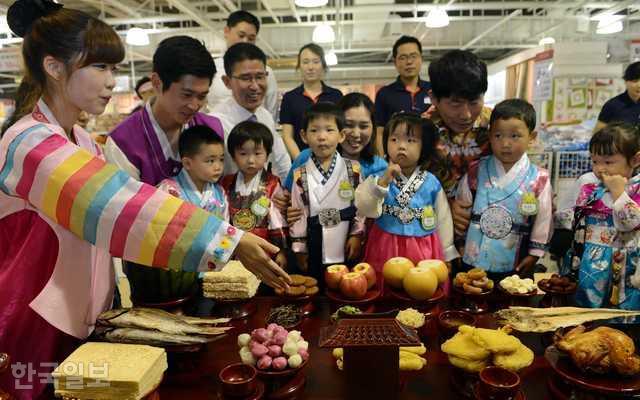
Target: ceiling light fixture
437 18
331 58
137 37
311 3
546 41
609 24
323 33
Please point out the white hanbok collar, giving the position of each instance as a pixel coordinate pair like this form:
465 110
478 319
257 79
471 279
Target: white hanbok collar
245 189
167 150
505 178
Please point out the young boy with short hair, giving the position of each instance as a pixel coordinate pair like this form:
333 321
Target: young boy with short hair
512 211
324 189
250 190
202 156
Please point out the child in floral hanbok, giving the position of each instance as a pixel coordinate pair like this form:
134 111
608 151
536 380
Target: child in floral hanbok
605 252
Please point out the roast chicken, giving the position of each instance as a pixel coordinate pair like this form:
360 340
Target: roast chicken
601 350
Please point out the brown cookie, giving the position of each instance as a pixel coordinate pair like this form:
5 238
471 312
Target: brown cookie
311 291
310 282
476 274
295 291
279 291
298 280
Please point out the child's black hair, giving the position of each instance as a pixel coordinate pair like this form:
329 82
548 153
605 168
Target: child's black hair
515 108
323 109
354 100
192 138
616 138
141 82
418 126
249 130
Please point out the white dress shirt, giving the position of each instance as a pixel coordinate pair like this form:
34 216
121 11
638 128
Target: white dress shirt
230 113
219 93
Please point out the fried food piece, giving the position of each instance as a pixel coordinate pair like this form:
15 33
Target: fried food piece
310 282
310 291
476 274
460 279
468 365
462 345
298 280
295 291
519 359
493 340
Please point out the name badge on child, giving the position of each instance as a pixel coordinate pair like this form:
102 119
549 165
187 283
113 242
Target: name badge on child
346 191
260 207
428 218
529 204
244 219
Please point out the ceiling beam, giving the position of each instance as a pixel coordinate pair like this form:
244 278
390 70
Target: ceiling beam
265 4
191 11
294 10
125 7
491 29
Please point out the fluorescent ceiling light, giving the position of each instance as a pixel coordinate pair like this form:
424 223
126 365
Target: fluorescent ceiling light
546 40
331 58
311 3
323 33
137 37
609 24
437 18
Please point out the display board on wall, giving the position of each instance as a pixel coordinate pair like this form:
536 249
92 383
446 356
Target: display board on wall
580 98
543 76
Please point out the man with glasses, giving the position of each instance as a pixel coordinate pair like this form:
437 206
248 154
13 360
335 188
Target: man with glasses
408 92
242 27
246 77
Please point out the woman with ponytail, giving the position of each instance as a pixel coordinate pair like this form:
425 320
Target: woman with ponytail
64 211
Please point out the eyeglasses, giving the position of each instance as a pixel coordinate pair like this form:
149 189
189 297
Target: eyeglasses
259 78
407 57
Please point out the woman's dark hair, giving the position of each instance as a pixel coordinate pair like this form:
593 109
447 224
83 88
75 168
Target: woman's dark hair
355 100
178 56
192 138
71 36
249 130
315 49
417 126
616 138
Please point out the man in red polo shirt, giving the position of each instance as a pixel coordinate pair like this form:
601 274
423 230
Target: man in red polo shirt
408 92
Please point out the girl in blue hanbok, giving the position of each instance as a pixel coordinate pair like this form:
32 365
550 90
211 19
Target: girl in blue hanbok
413 218
605 254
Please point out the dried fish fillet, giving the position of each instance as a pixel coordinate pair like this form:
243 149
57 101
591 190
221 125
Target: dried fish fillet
528 319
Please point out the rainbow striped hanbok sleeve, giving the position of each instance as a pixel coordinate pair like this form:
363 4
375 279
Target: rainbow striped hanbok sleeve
103 205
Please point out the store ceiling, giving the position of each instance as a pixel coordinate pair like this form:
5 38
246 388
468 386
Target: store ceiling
366 29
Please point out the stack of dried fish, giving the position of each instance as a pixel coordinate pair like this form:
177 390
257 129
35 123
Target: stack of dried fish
157 327
527 319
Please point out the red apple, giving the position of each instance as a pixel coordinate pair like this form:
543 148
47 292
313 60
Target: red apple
368 272
353 285
333 275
